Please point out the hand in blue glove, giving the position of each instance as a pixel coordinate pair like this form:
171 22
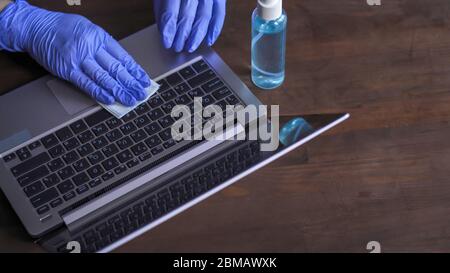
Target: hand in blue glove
184 24
73 48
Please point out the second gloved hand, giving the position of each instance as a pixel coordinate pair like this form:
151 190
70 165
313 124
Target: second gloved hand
185 24
73 48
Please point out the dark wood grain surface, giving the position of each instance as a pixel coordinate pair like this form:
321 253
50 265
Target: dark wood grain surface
383 175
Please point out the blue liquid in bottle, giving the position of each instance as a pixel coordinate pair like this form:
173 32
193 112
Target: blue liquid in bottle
268 51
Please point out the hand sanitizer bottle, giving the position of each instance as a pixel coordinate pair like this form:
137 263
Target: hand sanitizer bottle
269 22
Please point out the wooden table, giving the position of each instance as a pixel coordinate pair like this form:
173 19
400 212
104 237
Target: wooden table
382 176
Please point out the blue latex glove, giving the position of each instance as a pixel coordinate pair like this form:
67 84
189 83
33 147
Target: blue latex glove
185 24
73 48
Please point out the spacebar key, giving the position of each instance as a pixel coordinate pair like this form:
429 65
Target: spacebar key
30 164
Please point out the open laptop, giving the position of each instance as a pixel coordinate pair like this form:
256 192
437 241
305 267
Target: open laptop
78 177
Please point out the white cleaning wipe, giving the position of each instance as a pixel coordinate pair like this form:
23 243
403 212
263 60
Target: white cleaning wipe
119 110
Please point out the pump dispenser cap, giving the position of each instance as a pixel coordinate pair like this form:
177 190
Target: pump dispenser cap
270 9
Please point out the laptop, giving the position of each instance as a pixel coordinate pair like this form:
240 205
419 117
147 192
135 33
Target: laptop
82 180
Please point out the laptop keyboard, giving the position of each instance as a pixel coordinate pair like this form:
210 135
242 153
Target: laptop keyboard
78 158
155 203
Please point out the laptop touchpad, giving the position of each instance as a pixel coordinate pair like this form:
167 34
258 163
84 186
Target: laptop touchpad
72 100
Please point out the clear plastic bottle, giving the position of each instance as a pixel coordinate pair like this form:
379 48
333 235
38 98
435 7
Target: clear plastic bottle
269 24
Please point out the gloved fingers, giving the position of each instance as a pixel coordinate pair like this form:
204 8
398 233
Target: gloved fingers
186 18
118 72
200 26
217 21
115 50
102 78
91 88
167 12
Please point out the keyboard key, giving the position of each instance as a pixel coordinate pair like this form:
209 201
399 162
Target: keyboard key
43 209
56 151
64 134
71 144
107 176
86 136
100 142
169 143
80 179
174 79
138 135
232 100
128 117
82 189
94 183
202 78
9 157
124 156
124 142
187 72
110 163
70 157
44 197
85 150
100 129
55 203
153 128
145 156
113 123
65 186
23 153
155 101
95 158
78 126
200 66
142 121
81 165
97 117
49 141
34 189
183 100
207 100
30 164
55 165
166 121
152 141
132 163
167 108
66 172
212 85
120 169
157 150
156 114
114 135
34 145
139 149
95 171
32 176
221 93
69 195
142 109
51 180
110 150
166 134
168 95
128 128
197 92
